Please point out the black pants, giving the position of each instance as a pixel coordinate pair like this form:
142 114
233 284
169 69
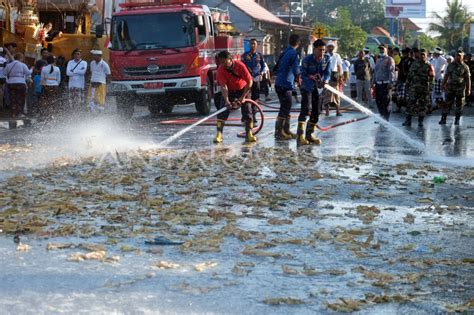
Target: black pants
382 99
255 92
245 108
285 98
264 86
17 92
306 98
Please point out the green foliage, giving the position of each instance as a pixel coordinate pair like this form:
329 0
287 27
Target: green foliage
363 13
453 25
351 37
427 41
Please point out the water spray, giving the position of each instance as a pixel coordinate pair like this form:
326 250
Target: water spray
407 138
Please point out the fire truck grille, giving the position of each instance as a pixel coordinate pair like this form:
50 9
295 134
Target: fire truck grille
162 70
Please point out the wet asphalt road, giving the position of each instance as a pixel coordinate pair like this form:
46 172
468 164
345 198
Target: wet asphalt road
414 251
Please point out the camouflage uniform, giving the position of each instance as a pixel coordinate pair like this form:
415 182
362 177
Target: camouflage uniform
419 83
458 73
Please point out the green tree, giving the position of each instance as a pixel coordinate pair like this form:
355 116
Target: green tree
427 42
363 13
453 25
351 37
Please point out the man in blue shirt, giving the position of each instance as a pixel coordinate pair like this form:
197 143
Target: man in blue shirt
315 72
255 63
288 71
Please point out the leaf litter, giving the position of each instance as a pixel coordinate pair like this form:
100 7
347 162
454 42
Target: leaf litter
136 200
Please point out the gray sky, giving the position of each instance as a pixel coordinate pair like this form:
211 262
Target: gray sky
438 6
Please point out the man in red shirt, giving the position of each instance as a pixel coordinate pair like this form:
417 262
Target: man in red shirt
235 81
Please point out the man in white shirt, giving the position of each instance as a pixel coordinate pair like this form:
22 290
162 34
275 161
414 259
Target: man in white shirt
76 70
336 79
439 64
346 64
100 72
369 57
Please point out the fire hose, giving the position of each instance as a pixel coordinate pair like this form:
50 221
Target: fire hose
223 109
258 128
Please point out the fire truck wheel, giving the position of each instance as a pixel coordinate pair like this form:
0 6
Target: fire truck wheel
204 100
125 107
154 111
167 109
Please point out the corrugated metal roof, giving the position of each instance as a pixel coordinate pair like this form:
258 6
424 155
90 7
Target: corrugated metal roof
64 5
257 12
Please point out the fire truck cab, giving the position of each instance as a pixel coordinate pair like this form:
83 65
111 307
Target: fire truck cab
162 54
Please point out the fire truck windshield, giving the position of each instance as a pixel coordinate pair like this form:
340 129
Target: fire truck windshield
151 31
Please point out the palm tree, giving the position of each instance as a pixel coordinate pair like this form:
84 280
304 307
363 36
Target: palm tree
451 26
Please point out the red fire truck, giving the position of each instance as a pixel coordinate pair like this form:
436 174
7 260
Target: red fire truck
162 54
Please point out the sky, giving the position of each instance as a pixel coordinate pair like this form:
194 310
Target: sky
438 6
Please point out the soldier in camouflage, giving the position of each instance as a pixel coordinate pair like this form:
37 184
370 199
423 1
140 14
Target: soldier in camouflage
457 84
419 82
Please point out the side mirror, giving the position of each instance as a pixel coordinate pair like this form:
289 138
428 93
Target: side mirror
99 30
196 36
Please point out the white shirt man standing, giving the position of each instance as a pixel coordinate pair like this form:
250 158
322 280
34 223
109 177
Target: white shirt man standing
336 79
439 64
100 72
76 70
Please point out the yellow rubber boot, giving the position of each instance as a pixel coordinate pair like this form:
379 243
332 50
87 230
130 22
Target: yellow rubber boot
286 128
249 137
279 133
310 129
220 128
301 140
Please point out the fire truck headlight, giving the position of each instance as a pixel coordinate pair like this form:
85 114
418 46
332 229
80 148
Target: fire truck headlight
189 83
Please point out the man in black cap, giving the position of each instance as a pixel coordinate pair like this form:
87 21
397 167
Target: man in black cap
384 75
457 85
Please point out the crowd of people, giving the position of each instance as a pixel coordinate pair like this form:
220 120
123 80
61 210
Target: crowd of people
415 80
52 85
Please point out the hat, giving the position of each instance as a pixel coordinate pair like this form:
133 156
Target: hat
460 52
449 58
330 43
96 52
366 49
382 46
438 50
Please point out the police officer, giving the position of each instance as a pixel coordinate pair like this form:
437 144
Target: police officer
315 73
457 85
255 63
384 74
287 72
420 80
236 82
